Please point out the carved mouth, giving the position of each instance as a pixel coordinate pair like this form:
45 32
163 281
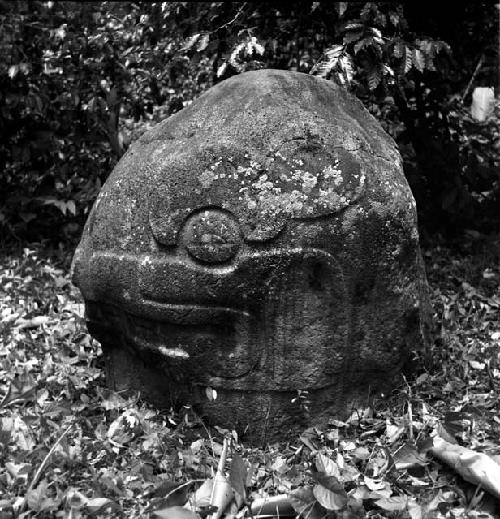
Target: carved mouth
205 335
194 314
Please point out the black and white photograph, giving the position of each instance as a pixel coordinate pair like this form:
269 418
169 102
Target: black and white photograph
249 260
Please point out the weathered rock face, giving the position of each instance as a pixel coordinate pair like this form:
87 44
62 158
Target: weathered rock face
260 242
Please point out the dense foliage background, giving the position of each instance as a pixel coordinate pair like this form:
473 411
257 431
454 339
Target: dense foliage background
80 80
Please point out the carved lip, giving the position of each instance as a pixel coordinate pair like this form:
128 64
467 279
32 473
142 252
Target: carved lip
194 314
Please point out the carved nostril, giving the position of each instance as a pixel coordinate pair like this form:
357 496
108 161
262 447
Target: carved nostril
212 236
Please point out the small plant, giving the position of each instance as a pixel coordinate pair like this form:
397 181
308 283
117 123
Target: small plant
303 401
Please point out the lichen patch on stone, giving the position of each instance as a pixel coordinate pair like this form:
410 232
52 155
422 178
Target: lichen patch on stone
286 184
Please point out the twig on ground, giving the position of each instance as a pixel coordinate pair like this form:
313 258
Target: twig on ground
410 411
42 467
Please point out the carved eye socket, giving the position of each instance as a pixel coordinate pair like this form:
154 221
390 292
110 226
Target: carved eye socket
212 236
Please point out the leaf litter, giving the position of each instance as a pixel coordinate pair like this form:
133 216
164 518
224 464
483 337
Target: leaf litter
72 448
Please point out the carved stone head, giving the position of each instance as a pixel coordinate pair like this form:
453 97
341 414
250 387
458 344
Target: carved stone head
261 242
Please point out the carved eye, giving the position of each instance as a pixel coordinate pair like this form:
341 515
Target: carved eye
212 236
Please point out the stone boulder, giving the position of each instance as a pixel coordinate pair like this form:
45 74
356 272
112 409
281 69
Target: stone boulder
261 243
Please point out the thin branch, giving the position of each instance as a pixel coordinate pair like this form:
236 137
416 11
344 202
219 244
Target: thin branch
42 467
227 24
409 411
182 485
474 74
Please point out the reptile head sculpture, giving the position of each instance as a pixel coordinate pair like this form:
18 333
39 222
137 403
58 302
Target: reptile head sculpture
260 242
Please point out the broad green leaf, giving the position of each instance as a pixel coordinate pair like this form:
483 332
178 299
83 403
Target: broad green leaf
335 499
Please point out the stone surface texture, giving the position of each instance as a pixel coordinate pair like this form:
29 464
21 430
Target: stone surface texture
261 242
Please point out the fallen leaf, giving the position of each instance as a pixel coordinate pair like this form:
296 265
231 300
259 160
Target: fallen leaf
273 506
374 485
175 512
174 493
475 467
22 389
201 497
415 510
238 474
23 324
330 492
327 466
305 504
393 504
98 503
407 456
280 465
393 432
361 453
37 498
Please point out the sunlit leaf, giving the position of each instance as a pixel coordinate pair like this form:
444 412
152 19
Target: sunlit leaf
393 504
203 42
96 504
175 512
202 496
221 69
333 485
407 60
418 60
327 466
191 41
332 498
